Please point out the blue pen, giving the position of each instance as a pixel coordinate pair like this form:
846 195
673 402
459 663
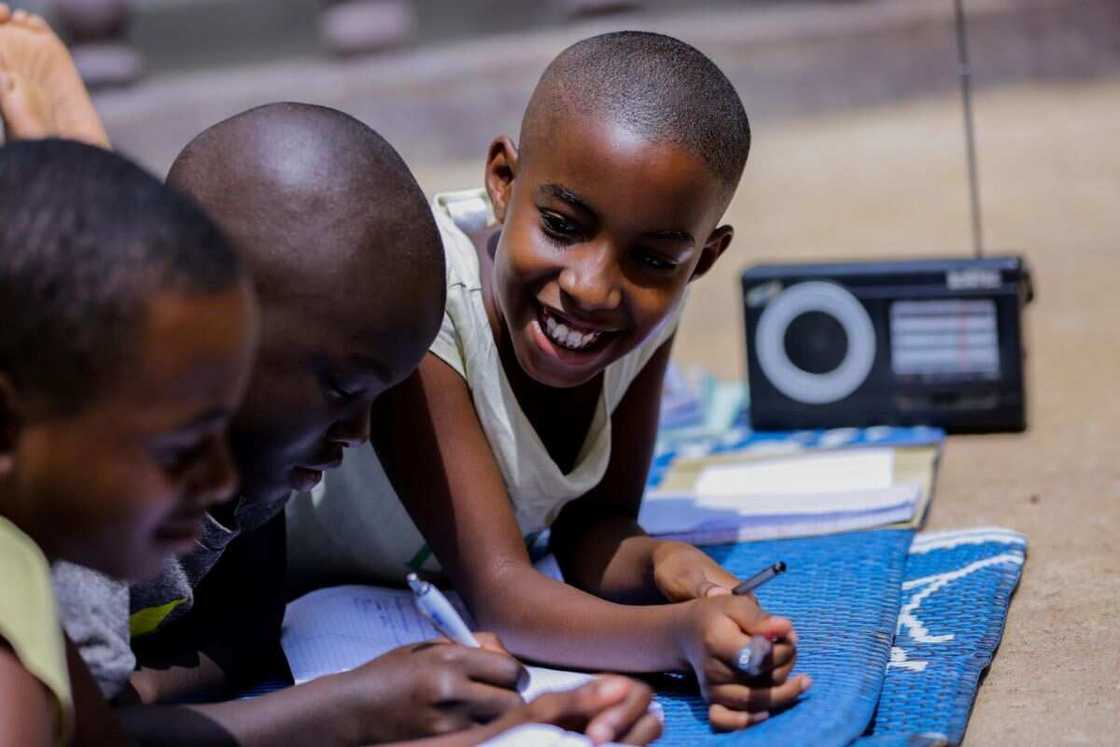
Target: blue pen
434 605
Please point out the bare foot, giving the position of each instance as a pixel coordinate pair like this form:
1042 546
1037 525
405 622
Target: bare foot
41 93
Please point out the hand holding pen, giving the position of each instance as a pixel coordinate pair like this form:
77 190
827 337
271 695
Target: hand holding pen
752 656
741 655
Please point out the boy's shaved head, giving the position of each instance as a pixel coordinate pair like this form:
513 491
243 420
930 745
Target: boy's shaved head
651 84
349 268
321 206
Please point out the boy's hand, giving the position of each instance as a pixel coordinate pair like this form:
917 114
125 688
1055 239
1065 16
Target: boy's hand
433 688
712 633
610 709
683 572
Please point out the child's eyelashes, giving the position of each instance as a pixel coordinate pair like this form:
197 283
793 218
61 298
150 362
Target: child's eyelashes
336 392
339 394
656 262
558 228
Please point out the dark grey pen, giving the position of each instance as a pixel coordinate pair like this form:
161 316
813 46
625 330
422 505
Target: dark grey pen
760 578
754 653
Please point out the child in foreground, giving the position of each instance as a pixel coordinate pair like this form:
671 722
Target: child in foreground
125 348
537 405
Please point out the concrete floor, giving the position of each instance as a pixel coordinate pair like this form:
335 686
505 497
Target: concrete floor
890 182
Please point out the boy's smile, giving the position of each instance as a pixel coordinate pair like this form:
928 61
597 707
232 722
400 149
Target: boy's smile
601 232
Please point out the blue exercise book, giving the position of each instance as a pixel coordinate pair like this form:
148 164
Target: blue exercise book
894 634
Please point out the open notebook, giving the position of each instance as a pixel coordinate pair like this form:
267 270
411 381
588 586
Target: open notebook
734 497
340 628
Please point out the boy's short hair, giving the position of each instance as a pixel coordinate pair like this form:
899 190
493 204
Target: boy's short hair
655 85
87 239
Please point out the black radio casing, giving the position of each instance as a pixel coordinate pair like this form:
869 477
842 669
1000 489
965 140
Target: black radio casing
922 342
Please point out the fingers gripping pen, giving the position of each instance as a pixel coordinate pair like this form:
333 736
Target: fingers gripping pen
752 656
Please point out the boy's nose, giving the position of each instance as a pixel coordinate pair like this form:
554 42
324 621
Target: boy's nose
218 479
354 429
593 280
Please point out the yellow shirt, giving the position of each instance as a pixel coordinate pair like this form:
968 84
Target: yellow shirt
29 619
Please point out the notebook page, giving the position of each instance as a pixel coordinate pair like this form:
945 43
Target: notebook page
340 628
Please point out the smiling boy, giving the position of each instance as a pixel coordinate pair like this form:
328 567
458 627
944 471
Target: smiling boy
536 406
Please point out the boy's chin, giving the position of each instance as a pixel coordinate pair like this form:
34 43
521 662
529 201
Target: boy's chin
302 479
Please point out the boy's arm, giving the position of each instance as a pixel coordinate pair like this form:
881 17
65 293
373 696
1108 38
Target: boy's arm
411 692
456 495
26 715
597 539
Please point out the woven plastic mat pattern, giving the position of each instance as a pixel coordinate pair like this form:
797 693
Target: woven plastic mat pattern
842 593
954 605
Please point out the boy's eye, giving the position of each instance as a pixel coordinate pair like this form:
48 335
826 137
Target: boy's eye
558 227
178 458
339 393
657 262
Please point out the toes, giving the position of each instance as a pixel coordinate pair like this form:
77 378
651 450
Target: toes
28 20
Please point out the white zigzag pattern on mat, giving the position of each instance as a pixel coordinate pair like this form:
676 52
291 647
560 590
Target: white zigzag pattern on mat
929 585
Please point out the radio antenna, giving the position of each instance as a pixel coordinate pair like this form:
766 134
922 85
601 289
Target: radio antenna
969 132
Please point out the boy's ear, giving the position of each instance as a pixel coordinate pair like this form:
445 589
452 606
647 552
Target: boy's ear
10 420
501 168
715 246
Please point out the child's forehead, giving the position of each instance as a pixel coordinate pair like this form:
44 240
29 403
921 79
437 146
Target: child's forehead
598 162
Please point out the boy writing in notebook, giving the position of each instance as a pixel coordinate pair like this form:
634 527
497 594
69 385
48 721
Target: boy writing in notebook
536 406
126 343
309 195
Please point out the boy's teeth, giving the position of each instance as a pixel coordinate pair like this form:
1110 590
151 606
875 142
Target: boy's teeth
561 334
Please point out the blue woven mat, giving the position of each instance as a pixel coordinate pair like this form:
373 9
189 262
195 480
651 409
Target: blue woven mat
954 604
842 593
944 604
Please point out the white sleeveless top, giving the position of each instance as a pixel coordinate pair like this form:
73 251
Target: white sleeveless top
354 524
